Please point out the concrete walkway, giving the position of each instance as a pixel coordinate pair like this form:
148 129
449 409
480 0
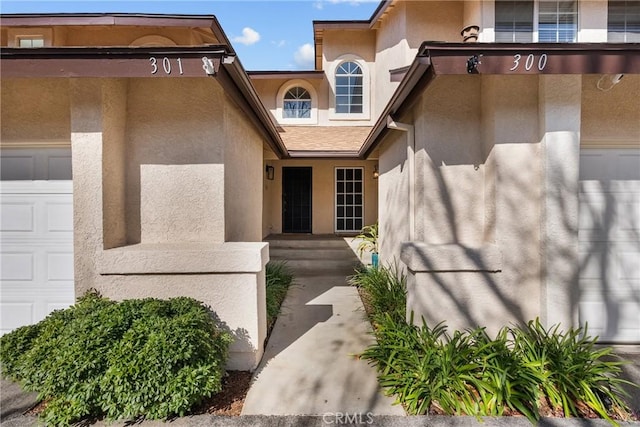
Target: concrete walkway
309 366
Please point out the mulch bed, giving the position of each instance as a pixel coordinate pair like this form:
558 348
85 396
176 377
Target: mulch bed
230 400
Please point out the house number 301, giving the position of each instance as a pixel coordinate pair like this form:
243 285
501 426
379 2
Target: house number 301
165 64
529 62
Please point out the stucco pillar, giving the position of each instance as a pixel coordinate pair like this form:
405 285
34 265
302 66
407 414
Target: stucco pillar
559 112
86 148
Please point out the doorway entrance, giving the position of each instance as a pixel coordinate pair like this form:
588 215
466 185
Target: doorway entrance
296 200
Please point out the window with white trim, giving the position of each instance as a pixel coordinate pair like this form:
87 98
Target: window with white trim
30 41
623 22
558 21
349 88
296 104
522 21
349 199
514 21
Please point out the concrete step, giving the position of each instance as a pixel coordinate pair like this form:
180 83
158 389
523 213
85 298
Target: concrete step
312 253
311 243
319 264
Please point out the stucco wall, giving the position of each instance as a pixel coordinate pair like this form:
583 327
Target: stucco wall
393 196
114 171
434 20
175 159
243 174
611 115
323 193
478 201
35 110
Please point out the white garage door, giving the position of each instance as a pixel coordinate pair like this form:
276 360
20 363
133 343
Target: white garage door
36 230
609 236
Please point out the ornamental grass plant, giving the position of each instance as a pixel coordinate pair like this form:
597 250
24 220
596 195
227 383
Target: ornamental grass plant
524 370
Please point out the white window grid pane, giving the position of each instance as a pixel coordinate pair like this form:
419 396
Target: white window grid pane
349 88
514 21
296 104
623 21
557 21
349 199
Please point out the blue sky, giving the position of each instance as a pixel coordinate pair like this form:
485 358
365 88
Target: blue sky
267 34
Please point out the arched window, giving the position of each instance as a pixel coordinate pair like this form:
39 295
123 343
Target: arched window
296 104
349 85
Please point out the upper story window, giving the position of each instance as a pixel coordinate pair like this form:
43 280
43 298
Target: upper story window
296 104
349 88
623 21
30 41
558 21
523 21
514 21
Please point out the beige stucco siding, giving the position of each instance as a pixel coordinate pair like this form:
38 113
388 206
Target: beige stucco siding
478 201
243 174
393 196
35 110
323 193
434 20
611 115
175 159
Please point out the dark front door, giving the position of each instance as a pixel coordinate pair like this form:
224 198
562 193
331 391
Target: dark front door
296 200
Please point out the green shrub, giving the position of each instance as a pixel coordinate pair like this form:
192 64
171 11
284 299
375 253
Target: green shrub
570 370
470 373
278 280
138 358
384 291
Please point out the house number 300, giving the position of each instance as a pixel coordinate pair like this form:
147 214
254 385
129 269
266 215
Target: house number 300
529 62
165 63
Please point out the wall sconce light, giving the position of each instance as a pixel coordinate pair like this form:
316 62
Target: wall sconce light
376 174
270 172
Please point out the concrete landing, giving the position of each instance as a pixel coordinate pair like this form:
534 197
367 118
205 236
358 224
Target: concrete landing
309 366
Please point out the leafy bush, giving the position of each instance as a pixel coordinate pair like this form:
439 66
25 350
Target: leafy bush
278 280
384 291
470 373
138 358
369 239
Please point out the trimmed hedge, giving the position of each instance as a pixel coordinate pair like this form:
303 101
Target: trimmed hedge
137 358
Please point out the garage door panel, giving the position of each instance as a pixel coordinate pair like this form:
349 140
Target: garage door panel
609 243
17 266
60 266
59 216
36 256
17 217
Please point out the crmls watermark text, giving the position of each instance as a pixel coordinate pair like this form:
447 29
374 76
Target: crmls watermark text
344 418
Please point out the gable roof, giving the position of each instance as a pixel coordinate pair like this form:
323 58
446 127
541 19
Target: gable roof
126 61
324 141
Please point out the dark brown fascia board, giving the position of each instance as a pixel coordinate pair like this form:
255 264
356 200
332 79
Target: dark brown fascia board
323 154
416 79
546 58
39 62
61 62
441 58
342 25
380 10
236 81
138 19
304 74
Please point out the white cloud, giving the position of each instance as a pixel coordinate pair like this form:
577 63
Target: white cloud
279 43
304 56
249 36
